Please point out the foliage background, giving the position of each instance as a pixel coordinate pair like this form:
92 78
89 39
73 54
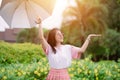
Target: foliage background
25 60
94 16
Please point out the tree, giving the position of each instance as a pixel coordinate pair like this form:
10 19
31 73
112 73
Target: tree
88 16
118 1
113 7
28 35
116 20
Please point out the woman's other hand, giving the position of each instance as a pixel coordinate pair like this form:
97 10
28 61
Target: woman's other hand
93 35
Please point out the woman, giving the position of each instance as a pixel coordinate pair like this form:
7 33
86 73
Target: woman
59 55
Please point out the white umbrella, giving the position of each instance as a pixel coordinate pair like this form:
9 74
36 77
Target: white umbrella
0 2
22 13
3 25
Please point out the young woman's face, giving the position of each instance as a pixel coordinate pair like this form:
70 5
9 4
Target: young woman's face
59 36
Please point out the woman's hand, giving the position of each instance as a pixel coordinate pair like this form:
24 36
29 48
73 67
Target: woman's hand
93 35
38 20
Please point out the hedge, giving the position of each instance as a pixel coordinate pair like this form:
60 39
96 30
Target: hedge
20 52
27 61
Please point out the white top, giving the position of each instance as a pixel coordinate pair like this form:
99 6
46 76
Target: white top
63 56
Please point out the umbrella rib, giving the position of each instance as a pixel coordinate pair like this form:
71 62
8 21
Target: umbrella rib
28 7
18 4
27 10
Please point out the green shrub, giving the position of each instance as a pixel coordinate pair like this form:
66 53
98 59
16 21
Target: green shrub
88 70
33 71
19 53
28 62
106 48
80 70
28 35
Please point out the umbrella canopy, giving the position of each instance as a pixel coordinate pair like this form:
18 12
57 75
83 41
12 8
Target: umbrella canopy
22 13
0 2
3 24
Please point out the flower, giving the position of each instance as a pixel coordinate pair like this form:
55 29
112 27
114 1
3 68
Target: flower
4 77
86 59
42 70
79 70
19 73
116 66
39 63
89 72
84 79
78 62
35 79
38 74
96 78
95 71
71 75
3 70
35 72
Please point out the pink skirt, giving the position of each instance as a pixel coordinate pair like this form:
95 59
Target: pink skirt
58 74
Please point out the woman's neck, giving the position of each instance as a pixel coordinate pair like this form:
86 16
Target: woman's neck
58 45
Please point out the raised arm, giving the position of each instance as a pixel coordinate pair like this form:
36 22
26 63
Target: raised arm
41 35
85 44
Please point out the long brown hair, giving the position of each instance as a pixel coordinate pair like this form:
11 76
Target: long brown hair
51 39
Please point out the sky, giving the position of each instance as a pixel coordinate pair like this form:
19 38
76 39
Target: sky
55 19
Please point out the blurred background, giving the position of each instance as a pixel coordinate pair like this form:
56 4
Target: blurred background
76 19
